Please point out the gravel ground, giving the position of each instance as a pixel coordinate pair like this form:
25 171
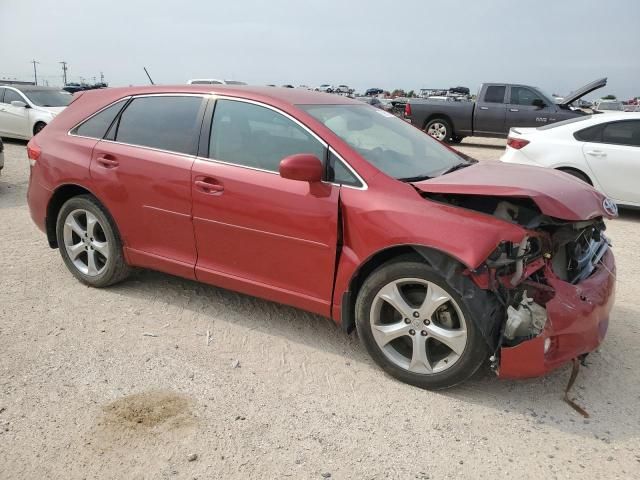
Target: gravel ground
120 383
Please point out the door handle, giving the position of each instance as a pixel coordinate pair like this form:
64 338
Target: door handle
514 110
596 153
209 187
484 108
107 162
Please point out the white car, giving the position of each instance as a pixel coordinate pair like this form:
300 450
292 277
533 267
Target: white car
325 87
213 81
25 110
603 150
1 155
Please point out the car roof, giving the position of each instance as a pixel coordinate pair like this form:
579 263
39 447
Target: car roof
292 96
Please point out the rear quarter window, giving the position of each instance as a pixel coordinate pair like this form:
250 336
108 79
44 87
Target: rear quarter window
98 125
591 134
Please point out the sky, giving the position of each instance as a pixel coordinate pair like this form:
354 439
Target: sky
555 45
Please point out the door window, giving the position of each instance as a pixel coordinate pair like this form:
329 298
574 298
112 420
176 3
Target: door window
163 122
12 96
495 94
97 126
254 136
524 96
622 133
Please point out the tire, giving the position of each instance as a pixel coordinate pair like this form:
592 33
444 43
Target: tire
444 367
440 129
577 174
89 242
456 139
37 128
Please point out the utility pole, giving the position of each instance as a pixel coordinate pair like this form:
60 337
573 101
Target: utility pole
101 77
64 72
35 71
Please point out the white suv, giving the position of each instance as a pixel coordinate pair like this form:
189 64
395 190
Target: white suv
25 110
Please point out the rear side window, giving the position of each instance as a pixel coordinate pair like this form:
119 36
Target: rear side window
622 133
495 94
163 122
97 126
258 137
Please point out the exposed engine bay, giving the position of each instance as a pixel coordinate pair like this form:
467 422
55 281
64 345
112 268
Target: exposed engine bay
518 273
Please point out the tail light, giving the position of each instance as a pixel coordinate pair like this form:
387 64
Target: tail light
33 151
517 143
407 110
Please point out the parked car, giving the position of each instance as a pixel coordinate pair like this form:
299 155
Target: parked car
608 106
325 87
1 155
499 107
343 90
287 85
439 262
372 92
601 150
25 110
213 81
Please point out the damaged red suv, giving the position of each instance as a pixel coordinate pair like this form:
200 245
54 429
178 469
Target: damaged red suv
318 201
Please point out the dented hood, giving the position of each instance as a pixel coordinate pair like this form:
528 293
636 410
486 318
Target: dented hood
556 194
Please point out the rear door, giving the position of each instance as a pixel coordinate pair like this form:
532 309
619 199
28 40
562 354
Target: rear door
613 154
521 111
142 171
257 232
490 111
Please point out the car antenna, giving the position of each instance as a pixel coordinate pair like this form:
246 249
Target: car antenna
149 76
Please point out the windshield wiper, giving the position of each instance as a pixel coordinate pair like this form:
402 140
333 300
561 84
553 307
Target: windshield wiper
458 166
417 178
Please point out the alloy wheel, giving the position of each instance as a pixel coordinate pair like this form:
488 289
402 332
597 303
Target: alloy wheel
438 131
418 326
85 242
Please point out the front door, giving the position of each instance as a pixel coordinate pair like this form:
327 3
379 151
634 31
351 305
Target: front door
521 111
143 174
14 121
257 232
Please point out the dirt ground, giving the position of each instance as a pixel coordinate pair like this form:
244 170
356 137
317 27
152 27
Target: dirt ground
120 383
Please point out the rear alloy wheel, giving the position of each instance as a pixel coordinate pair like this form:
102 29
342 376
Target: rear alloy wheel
439 129
417 328
89 243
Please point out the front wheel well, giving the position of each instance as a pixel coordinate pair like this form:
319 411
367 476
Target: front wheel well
416 253
59 197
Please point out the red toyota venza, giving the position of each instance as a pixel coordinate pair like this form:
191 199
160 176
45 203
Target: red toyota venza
335 207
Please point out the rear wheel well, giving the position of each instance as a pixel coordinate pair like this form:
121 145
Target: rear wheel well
576 173
38 126
397 253
59 197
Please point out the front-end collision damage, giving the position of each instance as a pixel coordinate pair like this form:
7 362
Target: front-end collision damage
554 287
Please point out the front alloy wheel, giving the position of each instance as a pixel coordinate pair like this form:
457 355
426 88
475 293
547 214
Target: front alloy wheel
417 327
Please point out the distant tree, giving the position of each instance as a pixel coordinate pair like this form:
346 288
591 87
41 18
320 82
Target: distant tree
398 93
609 97
411 94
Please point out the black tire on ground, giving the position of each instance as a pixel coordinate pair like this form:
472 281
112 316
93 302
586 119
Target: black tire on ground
456 139
115 268
578 174
440 125
38 127
475 350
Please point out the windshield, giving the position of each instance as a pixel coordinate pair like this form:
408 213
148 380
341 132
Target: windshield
49 98
385 141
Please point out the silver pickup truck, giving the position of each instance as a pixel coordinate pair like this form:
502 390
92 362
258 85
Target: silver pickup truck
499 107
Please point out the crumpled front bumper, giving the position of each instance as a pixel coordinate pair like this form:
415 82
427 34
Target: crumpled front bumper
578 317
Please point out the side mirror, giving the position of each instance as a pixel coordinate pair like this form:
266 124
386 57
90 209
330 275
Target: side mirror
18 103
302 166
538 103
